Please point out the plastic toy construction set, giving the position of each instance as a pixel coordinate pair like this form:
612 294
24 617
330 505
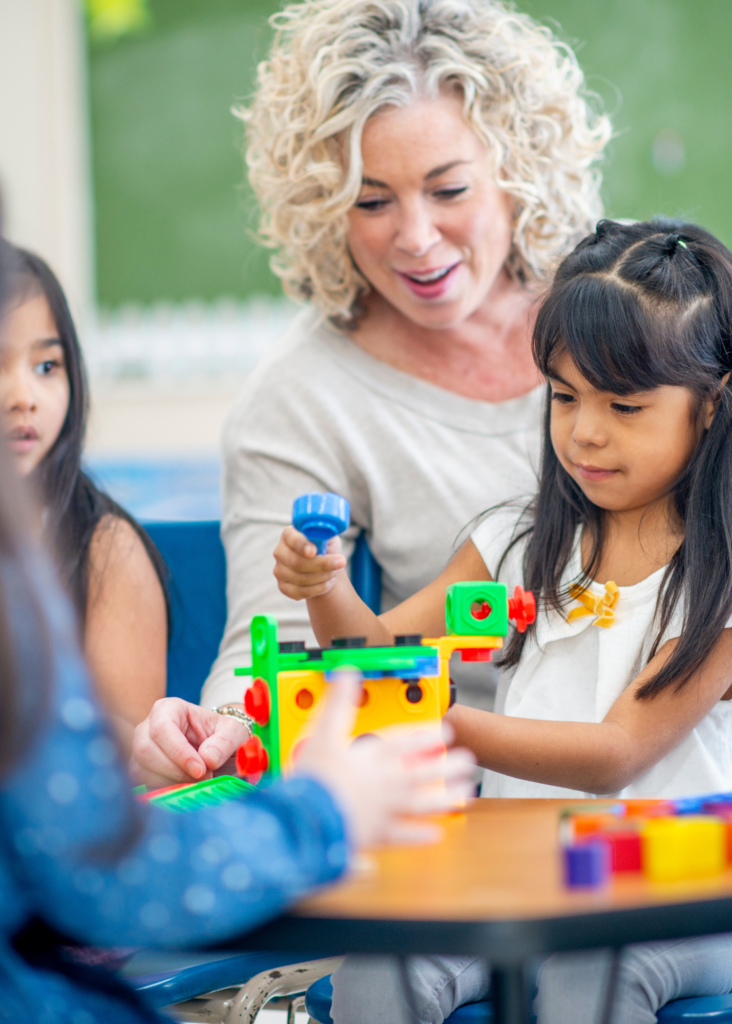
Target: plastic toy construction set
407 683
666 840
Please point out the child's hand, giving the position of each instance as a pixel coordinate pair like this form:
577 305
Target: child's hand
384 785
300 571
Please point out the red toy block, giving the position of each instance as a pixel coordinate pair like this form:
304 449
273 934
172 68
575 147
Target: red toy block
257 701
625 850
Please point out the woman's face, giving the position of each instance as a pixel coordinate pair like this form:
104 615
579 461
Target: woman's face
431 230
34 385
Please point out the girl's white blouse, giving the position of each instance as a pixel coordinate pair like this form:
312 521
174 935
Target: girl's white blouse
575 671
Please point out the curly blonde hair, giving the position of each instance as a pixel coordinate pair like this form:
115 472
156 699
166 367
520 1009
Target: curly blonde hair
334 63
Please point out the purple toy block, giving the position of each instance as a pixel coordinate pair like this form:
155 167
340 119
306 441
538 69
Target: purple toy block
587 865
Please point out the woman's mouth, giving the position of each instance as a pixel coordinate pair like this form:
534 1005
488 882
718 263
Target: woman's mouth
594 472
431 283
22 439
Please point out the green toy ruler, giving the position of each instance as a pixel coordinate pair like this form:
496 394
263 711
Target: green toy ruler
209 793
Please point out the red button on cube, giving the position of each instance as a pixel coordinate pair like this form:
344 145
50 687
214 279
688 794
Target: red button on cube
257 701
252 759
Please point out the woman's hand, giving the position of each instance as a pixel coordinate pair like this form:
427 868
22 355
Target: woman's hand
182 742
300 571
381 782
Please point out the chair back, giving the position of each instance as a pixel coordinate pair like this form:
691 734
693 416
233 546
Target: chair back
197 583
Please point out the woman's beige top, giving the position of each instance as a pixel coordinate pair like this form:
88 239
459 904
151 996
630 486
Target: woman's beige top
416 462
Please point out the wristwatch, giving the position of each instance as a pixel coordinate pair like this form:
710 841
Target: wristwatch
236 711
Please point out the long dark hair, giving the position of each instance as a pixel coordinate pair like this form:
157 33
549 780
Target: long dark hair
638 306
24 631
75 505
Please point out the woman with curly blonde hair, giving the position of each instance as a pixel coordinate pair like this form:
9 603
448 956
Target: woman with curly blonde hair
420 165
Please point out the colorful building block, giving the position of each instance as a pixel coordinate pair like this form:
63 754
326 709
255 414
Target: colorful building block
401 684
587 864
667 839
480 609
681 848
625 850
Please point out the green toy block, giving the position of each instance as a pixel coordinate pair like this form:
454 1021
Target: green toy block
209 793
265 665
476 609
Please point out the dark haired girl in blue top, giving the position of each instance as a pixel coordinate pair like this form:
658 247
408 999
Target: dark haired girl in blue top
80 857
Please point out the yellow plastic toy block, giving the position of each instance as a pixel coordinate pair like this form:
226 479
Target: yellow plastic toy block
681 848
384 701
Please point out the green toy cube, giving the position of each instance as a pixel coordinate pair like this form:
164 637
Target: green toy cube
476 609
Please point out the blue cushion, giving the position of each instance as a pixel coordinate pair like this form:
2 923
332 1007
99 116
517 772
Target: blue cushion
178 983
700 1008
195 557
320 995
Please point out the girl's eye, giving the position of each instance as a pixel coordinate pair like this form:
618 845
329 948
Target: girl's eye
626 410
562 397
451 192
371 204
46 367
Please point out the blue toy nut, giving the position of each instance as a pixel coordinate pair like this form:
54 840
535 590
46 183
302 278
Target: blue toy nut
586 865
320 517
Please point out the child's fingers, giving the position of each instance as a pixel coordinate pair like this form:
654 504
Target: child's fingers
336 720
287 574
305 593
295 561
297 541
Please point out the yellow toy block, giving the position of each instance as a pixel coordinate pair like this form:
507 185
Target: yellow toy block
682 848
384 701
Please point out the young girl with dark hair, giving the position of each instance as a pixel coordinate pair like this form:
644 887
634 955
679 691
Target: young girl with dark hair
109 566
622 686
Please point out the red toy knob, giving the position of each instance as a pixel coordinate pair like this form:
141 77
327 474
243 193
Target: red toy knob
257 701
251 758
522 608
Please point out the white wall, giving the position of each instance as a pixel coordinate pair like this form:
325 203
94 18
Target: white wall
45 179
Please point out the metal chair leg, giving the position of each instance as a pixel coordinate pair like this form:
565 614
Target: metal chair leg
282 981
297 1003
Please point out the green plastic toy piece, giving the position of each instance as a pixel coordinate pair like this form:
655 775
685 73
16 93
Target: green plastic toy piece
406 662
476 609
209 793
265 664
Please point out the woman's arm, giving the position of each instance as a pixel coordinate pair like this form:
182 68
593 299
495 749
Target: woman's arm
126 634
335 608
599 757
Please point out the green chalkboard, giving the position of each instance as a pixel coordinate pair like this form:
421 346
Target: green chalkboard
173 216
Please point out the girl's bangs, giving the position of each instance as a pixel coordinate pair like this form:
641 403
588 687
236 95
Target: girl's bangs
619 345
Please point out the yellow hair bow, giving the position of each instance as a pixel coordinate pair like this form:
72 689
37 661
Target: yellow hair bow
603 606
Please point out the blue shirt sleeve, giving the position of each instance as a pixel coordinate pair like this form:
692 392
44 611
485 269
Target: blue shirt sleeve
79 851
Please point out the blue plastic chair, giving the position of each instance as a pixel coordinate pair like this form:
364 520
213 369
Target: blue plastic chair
716 1009
173 977
197 583
366 574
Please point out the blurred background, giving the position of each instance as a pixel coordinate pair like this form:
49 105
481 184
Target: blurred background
120 163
